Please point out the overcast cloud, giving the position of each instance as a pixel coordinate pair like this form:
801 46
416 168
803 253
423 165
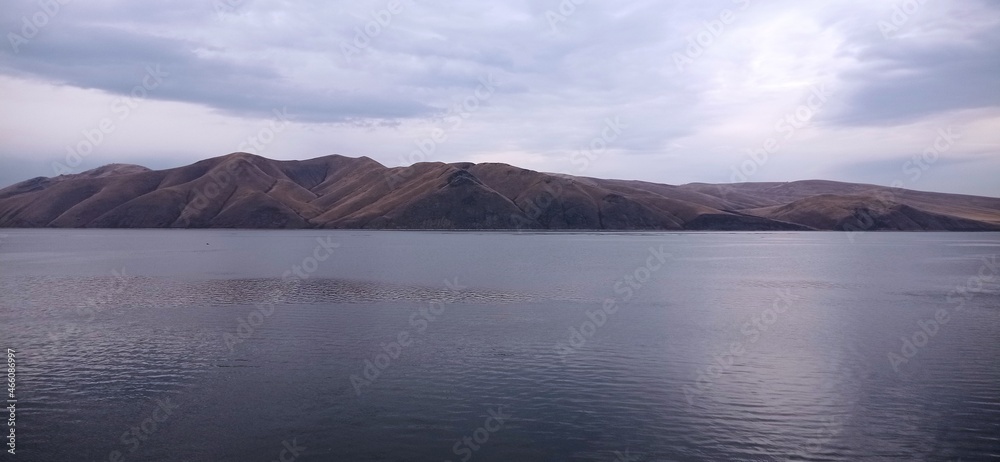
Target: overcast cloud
671 92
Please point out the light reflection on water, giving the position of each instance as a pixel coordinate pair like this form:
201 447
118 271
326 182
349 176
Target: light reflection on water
97 350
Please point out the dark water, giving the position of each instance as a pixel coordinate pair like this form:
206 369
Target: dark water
763 347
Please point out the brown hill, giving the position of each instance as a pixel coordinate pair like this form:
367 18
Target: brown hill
242 190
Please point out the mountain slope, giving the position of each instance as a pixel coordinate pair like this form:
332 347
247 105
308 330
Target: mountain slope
242 190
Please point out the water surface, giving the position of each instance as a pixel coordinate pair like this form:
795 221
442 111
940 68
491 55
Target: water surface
748 346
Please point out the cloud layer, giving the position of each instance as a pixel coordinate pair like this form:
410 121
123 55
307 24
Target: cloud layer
716 91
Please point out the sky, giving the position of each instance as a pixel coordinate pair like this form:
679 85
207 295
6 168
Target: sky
895 93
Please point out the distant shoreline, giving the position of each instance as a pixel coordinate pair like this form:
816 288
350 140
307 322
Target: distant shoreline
246 191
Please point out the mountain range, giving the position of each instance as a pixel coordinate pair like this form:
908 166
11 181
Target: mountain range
242 190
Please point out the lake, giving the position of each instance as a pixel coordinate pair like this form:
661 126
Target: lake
220 345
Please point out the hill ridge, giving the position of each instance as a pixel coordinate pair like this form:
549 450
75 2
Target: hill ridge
244 190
